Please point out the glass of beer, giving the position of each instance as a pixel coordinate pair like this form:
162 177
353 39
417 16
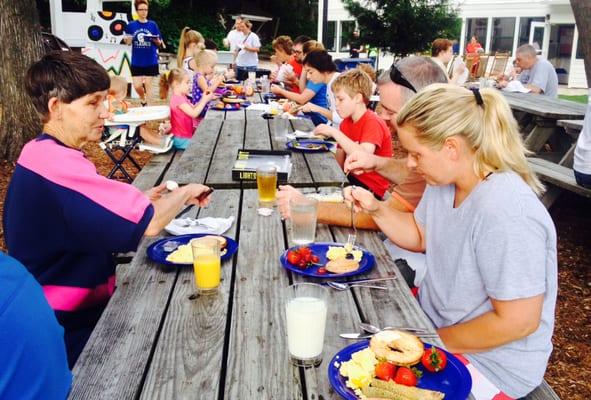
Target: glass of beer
267 185
207 264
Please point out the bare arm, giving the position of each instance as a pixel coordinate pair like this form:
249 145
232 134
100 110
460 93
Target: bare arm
167 206
400 227
300 98
508 321
194 111
534 89
310 107
348 145
393 169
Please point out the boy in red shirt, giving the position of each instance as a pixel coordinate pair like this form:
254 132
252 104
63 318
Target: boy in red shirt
361 128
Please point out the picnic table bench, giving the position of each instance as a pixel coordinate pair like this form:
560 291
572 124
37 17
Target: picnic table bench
157 339
544 112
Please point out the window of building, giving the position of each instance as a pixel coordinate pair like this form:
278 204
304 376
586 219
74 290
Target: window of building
347 28
503 32
476 27
524 28
329 38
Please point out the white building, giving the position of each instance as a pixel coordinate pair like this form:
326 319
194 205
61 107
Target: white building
500 25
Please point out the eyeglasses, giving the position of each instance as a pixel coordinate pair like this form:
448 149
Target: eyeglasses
397 77
142 9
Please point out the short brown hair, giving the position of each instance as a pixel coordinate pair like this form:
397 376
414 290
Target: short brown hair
352 82
136 3
66 75
440 45
283 43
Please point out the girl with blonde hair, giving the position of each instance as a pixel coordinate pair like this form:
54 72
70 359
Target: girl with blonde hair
204 79
190 42
491 280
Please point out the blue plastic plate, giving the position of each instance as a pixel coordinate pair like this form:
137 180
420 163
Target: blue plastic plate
310 145
234 106
319 249
455 380
156 251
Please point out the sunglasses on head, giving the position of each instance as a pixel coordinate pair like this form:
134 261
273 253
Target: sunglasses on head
397 77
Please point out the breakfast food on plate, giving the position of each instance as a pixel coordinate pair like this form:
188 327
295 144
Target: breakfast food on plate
371 375
397 347
342 266
184 254
392 390
338 252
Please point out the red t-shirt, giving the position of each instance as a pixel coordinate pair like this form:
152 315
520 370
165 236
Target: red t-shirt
370 129
297 70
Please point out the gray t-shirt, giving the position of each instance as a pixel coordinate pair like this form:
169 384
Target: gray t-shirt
499 243
542 75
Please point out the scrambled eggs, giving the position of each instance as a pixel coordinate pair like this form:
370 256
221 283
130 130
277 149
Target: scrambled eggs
182 255
339 253
360 369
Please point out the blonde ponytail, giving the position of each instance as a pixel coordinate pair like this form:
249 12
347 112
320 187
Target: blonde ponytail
443 110
187 37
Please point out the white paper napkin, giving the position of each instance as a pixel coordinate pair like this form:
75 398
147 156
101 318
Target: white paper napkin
214 226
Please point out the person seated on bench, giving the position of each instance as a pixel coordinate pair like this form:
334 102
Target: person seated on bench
582 161
116 104
537 74
491 281
62 219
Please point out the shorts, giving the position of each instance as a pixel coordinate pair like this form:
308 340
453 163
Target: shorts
180 143
150 70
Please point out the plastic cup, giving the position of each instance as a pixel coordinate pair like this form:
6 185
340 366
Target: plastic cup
280 126
267 185
207 264
304 212
305 313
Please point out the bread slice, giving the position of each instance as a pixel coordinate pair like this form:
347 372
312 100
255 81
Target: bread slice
220 239
342 266
392 390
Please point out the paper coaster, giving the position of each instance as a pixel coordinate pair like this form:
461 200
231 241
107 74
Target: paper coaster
265 212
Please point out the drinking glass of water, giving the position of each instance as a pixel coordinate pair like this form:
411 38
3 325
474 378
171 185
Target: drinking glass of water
304 212
305 312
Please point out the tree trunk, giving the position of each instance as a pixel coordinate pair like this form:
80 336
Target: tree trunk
582 12
21 45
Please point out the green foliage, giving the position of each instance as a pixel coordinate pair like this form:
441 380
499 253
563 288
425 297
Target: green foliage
578 98
171 20
403 27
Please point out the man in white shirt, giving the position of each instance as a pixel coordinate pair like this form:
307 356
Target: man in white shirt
233 37
247 49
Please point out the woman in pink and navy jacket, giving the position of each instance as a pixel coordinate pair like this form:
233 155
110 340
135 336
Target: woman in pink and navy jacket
62 219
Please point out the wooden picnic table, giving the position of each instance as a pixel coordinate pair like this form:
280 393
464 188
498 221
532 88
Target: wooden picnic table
543 111
157 339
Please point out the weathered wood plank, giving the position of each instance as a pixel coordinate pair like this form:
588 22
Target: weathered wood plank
257 132
117 353
557 175
545 106
231 139
258 365
188 358
386 308
300 174
194 163
342 316
151 172
543 392
576 124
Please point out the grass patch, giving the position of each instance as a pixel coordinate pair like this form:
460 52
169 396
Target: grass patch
579 99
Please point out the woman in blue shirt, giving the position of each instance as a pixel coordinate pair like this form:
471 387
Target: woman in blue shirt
145 40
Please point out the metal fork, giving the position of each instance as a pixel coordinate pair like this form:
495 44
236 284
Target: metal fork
352 238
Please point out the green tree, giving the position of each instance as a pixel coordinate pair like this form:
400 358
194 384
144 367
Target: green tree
403 27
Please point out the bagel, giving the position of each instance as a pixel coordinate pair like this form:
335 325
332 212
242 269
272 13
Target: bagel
342 266
397 347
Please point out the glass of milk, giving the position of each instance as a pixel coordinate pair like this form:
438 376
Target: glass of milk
305 312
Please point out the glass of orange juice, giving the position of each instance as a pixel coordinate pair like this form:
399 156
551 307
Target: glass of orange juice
267 185
207 264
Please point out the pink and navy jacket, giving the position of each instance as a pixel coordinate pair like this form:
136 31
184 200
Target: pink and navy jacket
63 221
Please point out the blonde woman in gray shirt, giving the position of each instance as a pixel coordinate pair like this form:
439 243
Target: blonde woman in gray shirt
491 281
